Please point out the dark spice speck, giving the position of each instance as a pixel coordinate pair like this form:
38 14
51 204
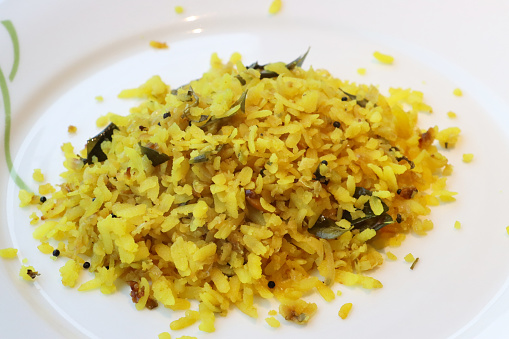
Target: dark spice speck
398 191
344 99
56 253
408 192
32 274
271 284
250 193
43 199
336 124
398 219
86 265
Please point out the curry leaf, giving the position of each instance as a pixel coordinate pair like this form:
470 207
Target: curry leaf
94 144
270 74
241 101
370 219
361 103
199 158
191 99
264 74
176 90
215 123
361 191
241 80
326 228
154 156
374 222
205 156
299 61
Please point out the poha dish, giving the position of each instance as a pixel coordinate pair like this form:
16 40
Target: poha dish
242 184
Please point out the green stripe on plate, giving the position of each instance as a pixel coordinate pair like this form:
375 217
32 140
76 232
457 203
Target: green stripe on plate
15 44
7 105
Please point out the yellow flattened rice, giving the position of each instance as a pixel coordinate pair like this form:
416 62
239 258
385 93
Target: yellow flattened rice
273 322
158 45
8 253
383 58
38 176
28 273
392 256
164 335
409 257
275 6
345 310
468 157
242 184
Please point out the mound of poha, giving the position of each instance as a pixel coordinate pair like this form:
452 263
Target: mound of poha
242 184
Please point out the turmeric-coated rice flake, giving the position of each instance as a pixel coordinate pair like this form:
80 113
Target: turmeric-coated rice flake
409 257
37 175
8 253
158 45
391 256
275 6
468 157
164 335
273 322
383 58
28 273
345 310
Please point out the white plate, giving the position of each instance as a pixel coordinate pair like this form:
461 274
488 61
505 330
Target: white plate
71 52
